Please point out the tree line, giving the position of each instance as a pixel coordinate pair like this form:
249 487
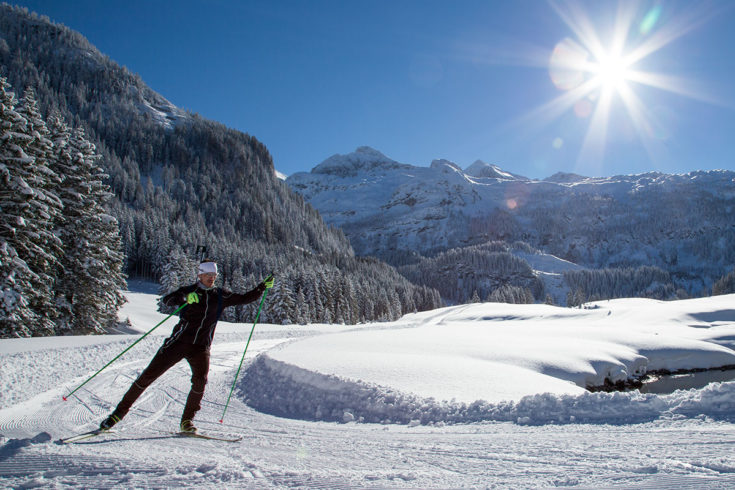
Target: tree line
628 282
487 272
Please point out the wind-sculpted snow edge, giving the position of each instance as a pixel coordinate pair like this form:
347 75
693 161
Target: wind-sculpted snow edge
289 391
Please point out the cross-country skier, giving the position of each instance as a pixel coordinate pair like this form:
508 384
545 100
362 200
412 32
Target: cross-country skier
191 339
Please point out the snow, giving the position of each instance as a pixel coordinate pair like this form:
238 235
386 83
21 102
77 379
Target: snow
483 170
550 269
160 109
598 222
494 354
482 395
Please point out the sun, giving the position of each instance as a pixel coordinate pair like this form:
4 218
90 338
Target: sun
612 72
596 70
573 65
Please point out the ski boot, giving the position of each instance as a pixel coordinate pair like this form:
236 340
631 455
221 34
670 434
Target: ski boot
109 422
187 427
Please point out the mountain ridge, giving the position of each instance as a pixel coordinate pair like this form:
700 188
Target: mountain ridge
679 222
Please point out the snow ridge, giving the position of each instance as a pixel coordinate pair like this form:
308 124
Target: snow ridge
285 390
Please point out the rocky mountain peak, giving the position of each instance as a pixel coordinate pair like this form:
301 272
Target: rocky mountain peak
363 158
481 169
565 178
442 164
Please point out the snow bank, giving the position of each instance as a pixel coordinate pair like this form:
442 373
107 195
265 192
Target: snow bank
285 390
522 363
498 352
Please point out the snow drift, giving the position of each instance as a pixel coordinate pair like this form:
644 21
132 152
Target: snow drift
528 364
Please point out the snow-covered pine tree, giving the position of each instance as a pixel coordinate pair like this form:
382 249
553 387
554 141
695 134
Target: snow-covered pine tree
25 228
178 270
239 285
106 261
303 311
49 208
281 307
16 317
91 275
62 165
725 285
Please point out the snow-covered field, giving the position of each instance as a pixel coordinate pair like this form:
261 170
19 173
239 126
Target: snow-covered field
484 395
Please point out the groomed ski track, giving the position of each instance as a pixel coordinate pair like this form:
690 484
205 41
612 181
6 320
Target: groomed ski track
283 453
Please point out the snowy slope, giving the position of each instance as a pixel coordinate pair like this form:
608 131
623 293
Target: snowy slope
474 350
683 439
496 353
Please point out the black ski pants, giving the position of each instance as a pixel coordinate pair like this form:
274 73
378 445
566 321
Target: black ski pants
166 357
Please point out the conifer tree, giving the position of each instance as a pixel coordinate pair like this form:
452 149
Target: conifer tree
281 307
45 182
16 317
725 285
25 228
178 270
91 275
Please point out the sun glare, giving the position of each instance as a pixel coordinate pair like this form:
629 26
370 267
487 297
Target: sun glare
612 72
596 72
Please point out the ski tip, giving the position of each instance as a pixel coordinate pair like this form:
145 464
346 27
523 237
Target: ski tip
221 420
64 398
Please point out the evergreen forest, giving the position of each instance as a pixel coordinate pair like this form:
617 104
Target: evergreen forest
170 181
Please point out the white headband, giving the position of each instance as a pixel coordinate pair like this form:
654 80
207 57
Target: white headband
207 268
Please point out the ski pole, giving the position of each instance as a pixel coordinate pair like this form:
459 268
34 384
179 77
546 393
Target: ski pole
265 293
123 352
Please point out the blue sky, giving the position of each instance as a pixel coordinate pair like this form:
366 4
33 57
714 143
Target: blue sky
521 84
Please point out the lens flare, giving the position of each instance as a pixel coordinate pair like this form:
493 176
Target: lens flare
565 64
649 21
597 73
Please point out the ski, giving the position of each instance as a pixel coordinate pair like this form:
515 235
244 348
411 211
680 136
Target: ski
94 433
84 436
197 435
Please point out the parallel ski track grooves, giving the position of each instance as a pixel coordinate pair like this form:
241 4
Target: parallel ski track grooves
310 481
58 465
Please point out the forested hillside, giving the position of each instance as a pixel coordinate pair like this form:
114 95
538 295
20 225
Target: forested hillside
180 181
488 272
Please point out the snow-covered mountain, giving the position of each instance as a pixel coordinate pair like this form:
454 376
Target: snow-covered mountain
681 223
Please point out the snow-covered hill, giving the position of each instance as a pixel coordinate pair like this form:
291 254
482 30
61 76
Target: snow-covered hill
520 418
681 223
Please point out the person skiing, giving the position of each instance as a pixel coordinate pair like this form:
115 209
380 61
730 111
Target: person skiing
190 339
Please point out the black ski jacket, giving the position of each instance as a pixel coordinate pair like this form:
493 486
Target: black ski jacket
198 321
